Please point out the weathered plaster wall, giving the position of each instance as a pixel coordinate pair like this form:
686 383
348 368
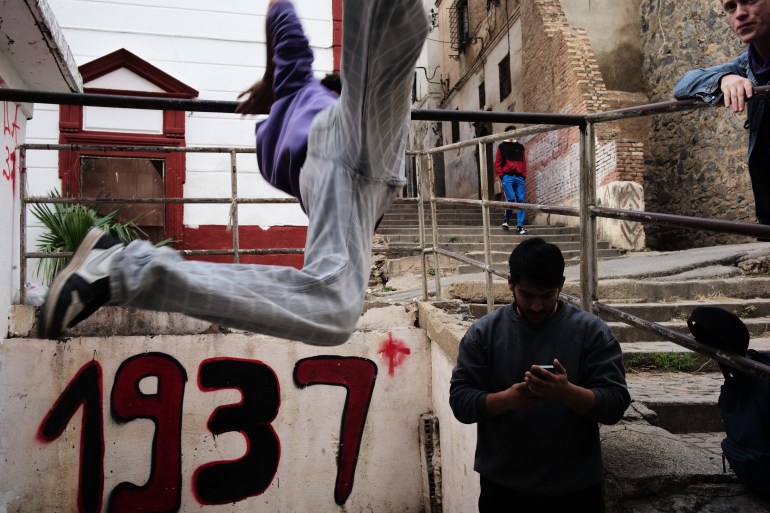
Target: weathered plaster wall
197 418
14 124
613 28
560 64
696 162
14 129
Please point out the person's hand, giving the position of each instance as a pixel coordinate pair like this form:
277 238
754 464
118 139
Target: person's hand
516 397
545 384
520 397
258 101
736 90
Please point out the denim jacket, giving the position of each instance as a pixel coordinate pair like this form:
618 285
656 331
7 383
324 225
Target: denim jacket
703 83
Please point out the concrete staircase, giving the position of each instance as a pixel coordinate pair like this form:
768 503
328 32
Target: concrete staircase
461 231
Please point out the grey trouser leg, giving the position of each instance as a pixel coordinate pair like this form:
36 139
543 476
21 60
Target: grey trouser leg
353 171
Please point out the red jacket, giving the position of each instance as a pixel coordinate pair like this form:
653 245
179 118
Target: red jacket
510 159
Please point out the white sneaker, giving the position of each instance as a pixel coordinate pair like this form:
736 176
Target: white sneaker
504 226
81 287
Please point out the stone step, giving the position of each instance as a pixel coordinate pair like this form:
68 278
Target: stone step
500 259
651 291
657 312
627 333
683 402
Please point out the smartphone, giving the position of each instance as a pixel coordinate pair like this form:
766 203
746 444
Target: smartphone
549 368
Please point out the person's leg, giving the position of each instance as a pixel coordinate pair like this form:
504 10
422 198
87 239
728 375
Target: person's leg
353 171
510 196
520 190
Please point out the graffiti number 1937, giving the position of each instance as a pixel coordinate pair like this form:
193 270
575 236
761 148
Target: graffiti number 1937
220 482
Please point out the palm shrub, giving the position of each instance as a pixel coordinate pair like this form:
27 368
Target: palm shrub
67 224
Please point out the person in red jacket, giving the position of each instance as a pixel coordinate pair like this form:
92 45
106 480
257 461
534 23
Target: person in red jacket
511 170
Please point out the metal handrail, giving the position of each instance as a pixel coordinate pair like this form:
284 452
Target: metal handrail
587 209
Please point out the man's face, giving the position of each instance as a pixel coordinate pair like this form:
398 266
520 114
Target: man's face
749 19
534 302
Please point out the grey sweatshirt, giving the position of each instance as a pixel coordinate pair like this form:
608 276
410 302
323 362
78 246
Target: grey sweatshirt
547 449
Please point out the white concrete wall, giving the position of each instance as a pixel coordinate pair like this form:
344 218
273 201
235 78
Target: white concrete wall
460 483
216 48
41 473
14 123
14 128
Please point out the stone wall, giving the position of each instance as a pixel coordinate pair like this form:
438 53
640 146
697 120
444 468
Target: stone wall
696 161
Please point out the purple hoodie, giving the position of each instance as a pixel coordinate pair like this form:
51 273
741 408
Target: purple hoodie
299 97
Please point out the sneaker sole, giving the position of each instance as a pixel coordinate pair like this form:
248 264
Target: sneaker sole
49 307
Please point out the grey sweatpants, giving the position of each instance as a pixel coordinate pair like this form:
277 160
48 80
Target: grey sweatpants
353 171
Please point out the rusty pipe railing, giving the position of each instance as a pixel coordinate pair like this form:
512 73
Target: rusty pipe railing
587 211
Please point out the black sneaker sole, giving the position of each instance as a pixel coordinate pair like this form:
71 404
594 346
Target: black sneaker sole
46 321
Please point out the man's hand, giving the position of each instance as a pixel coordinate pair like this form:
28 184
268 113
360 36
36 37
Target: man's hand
517 397
736 90
556 386
545 384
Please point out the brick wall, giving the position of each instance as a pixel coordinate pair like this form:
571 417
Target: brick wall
563 76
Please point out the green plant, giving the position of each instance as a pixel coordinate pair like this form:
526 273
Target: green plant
748 311
668 362
431 272
67 224
417 240
388 289
453 239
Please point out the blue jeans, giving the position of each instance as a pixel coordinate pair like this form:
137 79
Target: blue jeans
353 172
515 188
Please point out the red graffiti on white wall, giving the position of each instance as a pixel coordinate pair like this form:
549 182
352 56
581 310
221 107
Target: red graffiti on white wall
357 375
215 483
395 352
11 131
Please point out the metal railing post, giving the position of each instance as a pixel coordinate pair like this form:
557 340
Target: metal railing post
421 221
434 226
486 224
22 225
234 207
588 244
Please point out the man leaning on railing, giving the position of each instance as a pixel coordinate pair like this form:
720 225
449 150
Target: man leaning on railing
735 81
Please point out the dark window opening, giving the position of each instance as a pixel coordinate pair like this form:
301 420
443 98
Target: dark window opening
455 131
459 26
482 96
504 68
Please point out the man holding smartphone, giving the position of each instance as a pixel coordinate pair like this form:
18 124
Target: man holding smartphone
538 445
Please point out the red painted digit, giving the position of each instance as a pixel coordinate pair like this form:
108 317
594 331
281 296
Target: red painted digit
232 481
163 491
357 375
84 390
